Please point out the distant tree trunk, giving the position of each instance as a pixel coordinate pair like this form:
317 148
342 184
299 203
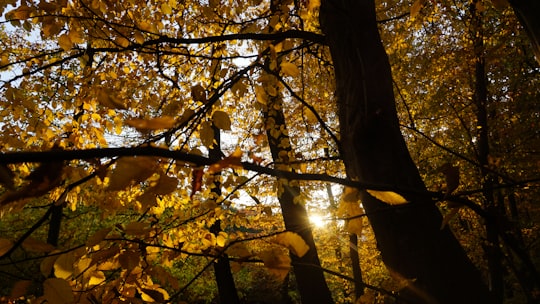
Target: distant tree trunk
55 224
354 251
528 13
480 99
222 268
309 276
430 261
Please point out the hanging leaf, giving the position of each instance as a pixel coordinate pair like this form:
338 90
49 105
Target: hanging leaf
206 134
500 4
221 120
416 7
129 170
20 289
57 291
196 181
157 123
97 237
389 197
289 69
63 266
277 262
166 184
198 93
37 246
232 161
109 99
451 176
294 242
449 216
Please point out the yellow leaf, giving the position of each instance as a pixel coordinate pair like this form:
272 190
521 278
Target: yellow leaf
46 266
221 120
63 266
239 250
157 123
57 291
65 42
129 259
34 245
198 93
389 197
289 69
5 246
97 237
355 226
76 36
108 98
277 262
129 170
206 134
294 242
165 185
136 228
416 7
166 8
313 4
221 239
261 95
350 195
232 161
96 278
500 4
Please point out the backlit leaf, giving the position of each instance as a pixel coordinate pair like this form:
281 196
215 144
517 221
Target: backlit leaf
500 4
232 161
63 266
389 197
96 278
198 93
157 123
38 246
196 181
289 69
65 42
136 228
57 291
277 262
97 237
206 134
294 242
221 120
416 7
131 170
109 99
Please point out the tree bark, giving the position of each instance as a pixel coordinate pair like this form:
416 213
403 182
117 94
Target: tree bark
428 260
528 13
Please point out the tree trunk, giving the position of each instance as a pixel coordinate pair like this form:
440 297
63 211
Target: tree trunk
428 260
307 271
528 13
222 268
492 247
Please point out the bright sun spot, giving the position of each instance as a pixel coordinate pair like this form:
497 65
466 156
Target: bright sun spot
317 220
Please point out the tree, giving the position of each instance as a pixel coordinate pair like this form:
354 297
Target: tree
375 153
141 143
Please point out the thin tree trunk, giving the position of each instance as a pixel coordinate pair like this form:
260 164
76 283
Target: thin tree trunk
428 260
480 98
307 271
222 268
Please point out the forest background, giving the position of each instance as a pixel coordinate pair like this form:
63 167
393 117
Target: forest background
177 151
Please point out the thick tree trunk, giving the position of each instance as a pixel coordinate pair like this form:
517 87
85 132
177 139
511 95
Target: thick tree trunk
427 259
528 13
